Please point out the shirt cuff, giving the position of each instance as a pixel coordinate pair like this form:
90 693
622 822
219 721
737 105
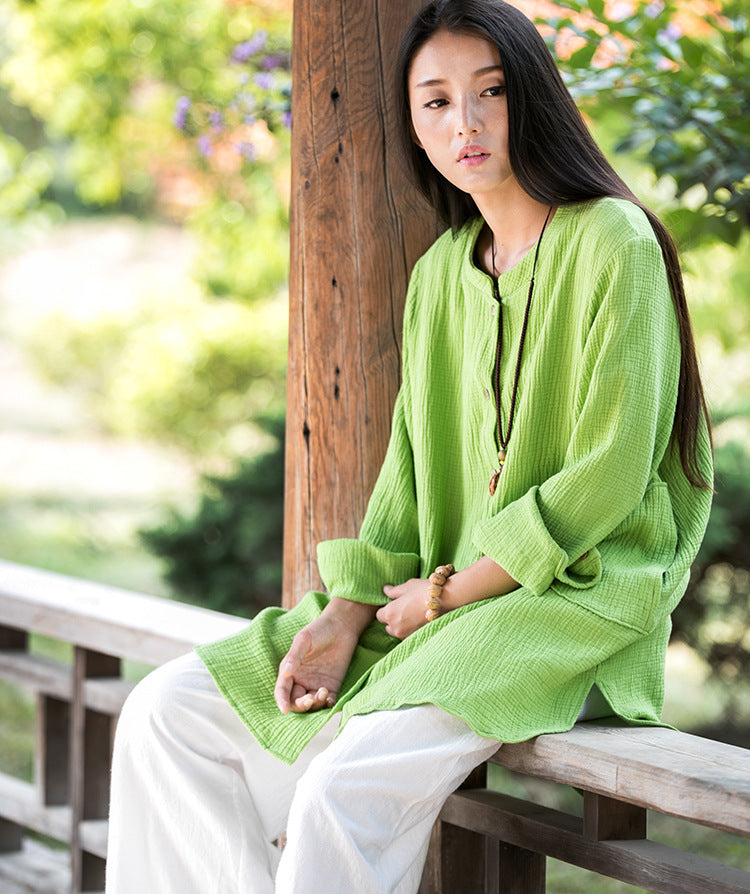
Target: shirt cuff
353 569
518 540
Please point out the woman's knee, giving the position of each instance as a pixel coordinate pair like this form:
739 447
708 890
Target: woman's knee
156 702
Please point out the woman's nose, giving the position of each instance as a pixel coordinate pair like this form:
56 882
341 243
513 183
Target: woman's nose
468 121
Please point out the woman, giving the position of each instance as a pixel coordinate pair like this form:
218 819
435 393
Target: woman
549 441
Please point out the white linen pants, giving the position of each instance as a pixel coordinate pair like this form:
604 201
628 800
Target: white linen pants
197 803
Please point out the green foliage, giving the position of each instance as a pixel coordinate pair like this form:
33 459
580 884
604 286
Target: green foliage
103 78
714 616
227 555
172 367
681 84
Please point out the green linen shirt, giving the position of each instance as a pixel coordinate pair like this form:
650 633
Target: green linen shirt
593 515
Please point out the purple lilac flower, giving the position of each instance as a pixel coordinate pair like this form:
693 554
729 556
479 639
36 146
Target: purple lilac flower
265 80
204 145
671 32
247 150
654 9
243 51
286 120
180 113
216 120
276 60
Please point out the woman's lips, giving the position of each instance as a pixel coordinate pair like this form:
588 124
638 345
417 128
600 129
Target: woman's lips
472 160
472 155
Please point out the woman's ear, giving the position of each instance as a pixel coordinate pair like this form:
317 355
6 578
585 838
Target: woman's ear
414 137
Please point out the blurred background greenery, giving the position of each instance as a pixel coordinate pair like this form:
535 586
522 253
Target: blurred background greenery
144 181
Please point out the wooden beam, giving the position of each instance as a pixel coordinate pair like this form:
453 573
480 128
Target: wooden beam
143 628
542 830
356 229
661 769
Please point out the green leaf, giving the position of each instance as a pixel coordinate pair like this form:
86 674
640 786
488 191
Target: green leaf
582 58
692 51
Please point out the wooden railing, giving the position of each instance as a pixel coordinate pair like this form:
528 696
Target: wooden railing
77 706
484 840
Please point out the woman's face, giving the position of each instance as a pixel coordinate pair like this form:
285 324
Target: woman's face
459 111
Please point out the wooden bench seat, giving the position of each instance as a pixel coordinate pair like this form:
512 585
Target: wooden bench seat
486 841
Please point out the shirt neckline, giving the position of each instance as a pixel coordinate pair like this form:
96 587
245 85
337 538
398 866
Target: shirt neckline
520 274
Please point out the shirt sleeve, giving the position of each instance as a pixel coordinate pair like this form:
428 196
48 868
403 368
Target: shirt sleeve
624 412
387 549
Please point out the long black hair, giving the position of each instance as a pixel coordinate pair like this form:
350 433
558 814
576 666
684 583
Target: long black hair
553 156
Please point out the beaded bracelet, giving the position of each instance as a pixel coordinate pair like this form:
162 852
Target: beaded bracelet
438 577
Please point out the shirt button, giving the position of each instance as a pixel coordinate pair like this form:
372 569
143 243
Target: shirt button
494 309
487 393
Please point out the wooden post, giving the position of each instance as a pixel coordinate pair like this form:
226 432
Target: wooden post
91 754
357 228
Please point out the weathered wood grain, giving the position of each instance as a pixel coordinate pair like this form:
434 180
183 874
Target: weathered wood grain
675 773
21 803
35 869
120 622
540 829
91 756
37 673
53 749
357 228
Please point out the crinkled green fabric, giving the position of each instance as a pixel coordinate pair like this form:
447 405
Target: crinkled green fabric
592 515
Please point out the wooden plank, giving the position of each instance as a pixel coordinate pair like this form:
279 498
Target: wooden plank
21 802
132 625
357 227
36 869
661 769
90 764
53 750
520 871
93 837
605 819
11 836
645 863
13 638
107 695
37 673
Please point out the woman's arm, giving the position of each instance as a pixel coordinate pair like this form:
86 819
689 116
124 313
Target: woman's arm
406 611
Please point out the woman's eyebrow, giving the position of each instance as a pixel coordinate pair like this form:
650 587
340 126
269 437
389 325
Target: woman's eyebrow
434 82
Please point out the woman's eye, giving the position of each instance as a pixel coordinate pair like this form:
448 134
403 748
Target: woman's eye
435 104
496 90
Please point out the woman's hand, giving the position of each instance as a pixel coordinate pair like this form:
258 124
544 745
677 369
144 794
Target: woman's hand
406 611
313 669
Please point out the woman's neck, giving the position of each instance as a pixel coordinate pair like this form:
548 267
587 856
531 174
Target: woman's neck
515 225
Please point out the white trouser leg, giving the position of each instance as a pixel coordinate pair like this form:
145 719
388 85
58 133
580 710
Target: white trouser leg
361 817
196 802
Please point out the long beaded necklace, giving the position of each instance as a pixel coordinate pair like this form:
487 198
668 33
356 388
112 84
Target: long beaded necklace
504 439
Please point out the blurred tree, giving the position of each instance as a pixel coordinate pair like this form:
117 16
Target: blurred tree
104 76
714 615
227 554
176 109
679 75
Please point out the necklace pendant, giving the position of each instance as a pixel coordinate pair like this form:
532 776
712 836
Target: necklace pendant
501 458
494 480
